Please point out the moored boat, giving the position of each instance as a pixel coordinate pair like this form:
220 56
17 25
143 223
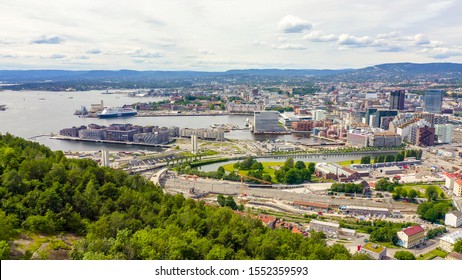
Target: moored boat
117 112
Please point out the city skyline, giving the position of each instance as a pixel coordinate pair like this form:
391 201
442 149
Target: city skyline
223 35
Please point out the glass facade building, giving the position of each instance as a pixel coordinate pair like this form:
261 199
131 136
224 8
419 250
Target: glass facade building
397 99
433 101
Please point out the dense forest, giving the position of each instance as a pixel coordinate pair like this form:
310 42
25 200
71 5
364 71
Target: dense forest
121 216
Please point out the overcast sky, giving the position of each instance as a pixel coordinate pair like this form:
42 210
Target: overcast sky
226 34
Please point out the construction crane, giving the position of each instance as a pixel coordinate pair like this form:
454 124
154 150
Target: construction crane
253 178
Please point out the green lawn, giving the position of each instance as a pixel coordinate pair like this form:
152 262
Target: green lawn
433 254
348 162
266 169
272 163
269 168
228 167
420 188
388 245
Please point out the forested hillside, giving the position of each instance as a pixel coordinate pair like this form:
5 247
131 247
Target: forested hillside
120 216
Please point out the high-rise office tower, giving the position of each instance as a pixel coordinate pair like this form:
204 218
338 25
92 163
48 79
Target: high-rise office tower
397 99
433 101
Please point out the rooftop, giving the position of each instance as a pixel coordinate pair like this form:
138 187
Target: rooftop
385 133
355 207
452 237
373 247
267 219
324 223
455 256
452 175
296 230
390 168
334 168
458 214
413 230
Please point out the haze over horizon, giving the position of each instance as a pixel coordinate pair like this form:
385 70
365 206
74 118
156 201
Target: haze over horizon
222 35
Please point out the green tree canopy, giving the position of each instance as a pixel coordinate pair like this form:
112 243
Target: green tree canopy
5 250
366 160
404 255
292 176
121 216
300 165
432 193
412 194
433 212
458 246
289 163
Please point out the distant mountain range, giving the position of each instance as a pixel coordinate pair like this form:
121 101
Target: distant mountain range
374 72
287 72
400 71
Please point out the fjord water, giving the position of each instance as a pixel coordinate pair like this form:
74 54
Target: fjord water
37 114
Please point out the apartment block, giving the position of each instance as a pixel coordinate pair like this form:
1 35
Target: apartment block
411 237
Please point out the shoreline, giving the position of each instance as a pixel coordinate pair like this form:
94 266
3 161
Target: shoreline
141 115
59 137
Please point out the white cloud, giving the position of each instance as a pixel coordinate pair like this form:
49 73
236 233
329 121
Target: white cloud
317 36
391 48
384 45
155 22
142 53
81 57
8 55
290 46
51 39
421 39
94 51
6 42
389 35
292 24
206 52
350 40
168 45
140 61
259 44
443 53
57 56
169 31
436 44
